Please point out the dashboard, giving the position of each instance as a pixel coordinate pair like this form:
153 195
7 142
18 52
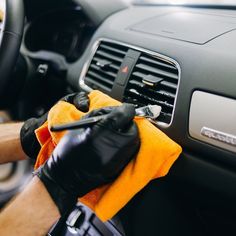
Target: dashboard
2 10
182 59
65 32
200 54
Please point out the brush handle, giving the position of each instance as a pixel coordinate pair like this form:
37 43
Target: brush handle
147 111
84 123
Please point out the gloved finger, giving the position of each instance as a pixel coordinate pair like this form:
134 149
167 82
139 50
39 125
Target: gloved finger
68 98
79 100
120 117
29 142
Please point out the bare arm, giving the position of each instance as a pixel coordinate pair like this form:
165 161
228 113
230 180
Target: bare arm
32 212
65 177
10 145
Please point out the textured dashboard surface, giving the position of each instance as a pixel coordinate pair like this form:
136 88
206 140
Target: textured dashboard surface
207 67
187 26
65 32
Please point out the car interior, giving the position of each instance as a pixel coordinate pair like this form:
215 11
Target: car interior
175 54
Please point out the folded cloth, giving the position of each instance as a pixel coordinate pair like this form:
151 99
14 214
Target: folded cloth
156 155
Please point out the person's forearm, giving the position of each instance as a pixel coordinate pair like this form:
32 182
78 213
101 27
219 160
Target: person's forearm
10 145
32 212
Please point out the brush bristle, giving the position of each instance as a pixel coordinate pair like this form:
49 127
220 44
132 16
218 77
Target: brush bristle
155 110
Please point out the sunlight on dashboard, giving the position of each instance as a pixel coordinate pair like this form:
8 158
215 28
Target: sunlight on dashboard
2 9
182 2
1 15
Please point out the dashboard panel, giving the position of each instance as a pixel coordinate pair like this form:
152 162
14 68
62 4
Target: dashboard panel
205 174
205 67
65 32
133 75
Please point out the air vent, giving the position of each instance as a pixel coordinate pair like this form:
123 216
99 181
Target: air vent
153 81
105 65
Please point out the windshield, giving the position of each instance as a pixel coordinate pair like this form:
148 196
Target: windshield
195 2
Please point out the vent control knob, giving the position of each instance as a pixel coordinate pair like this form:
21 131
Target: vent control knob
151 80
103 64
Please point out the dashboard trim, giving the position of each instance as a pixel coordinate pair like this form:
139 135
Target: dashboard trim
152 53
219 136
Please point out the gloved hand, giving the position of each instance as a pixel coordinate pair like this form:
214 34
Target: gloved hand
28 139
89 157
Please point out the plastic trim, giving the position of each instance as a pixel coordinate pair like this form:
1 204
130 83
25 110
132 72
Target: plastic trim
155 54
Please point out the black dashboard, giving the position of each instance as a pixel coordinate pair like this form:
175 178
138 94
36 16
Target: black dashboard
192 50
200 51
66 32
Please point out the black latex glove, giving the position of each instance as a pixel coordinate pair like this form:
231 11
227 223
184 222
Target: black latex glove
28 139
87 158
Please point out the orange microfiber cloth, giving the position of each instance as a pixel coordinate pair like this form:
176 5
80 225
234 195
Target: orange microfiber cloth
156 155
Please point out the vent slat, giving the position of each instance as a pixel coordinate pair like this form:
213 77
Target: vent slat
167 94
115 67
99 85
169 85
156 62
110 56
97 76
113 49
106 73
139 74
142 75
137 83
96 59
157 71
